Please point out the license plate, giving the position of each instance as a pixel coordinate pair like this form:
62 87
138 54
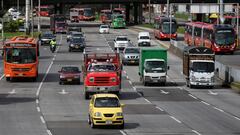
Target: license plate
155 80
108 122
69 80
20 74
101 88
76 47
132 61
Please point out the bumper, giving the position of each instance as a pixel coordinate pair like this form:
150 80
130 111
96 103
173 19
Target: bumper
202 83
144 44
80 48
108 121
155 80
104 32
70 80
45 42
99 89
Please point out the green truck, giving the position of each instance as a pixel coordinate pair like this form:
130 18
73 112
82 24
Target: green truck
153 66
118 21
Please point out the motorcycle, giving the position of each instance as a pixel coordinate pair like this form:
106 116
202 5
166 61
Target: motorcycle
53 48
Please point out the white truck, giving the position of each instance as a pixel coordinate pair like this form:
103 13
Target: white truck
199 66
144 39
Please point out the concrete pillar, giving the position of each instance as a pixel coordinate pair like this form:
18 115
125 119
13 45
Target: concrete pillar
127 12
135 8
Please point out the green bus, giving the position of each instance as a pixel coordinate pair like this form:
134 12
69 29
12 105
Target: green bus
118 21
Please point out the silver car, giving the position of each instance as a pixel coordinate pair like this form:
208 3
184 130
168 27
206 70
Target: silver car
130 55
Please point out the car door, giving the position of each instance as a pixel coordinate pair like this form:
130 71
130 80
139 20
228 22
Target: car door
91 106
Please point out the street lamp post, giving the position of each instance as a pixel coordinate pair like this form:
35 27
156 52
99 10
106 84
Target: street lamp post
39 26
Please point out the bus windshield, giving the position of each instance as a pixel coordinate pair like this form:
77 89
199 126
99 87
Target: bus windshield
225 37
166 27
20 55
88 12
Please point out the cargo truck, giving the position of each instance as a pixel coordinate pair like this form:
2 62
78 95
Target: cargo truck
153 66
58 23
198 66
102 73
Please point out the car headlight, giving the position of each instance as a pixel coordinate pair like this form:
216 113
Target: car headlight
72 45
119 114
113 79
97 114
91 79
62 76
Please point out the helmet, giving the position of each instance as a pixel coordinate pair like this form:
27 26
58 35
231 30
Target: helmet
213 16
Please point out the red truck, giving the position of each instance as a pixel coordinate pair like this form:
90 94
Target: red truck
58 23
102 73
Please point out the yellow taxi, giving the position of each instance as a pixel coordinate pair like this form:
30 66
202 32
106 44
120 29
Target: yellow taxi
105 109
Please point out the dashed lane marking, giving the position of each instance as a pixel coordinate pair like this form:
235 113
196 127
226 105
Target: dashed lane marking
212 93
147 100
196 132
122 132
130 82
164 92
38 109
42 119
218 109
192 96
205 103
49 132
37 101
159 108
2 77
12 92
176 119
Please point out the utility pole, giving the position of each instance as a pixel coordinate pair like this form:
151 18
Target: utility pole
32 22
39 25
167 8
221 11
149 10
27 17
18 5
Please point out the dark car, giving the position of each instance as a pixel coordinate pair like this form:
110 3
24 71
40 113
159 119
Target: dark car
76 44
69 74
75 34
46 38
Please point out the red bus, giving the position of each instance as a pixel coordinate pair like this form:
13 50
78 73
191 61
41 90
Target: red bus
162 28
86 14
20 56
220 38
105 16
45 10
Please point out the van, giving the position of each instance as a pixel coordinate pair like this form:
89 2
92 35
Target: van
144 39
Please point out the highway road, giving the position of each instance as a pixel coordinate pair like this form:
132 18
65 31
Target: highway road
47 108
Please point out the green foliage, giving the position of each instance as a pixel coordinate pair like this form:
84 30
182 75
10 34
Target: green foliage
11 26
183 16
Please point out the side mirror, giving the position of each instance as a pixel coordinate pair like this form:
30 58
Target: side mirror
122 105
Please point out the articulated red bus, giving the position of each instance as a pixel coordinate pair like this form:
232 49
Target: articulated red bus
162 28
105 16
86 14
220 38
45 10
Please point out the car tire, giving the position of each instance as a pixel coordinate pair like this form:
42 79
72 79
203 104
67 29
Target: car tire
89 120
60 82
122 126
92 124
145 83
8 79
69 50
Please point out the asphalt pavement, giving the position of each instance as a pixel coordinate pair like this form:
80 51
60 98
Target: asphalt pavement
47 108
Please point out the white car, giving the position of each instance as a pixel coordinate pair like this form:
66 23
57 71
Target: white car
121 42
144 39
104 29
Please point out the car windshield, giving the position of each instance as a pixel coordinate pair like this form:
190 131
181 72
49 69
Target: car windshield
21 55
77 35
144 37
166 27
225 37
88 12
77 40
155 66
104 26
132 50
121 39
48 35
70 69
101 67
60 24
106 102
203 67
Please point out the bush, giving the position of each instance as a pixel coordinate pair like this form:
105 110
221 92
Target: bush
11 26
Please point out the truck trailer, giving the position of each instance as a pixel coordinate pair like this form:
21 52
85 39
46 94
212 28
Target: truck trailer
199 66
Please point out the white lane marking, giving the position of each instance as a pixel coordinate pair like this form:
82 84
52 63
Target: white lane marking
49 132
42 119
192 96
53 59
38 109
218 109
134 88
159 108
2 77
181 72
205 103
124 72
180 88
139 94
164 92
212 93
127 77
49 67
147 100
196 132
63 92
176 119
122 132
37 101
130 82
236 118
12 92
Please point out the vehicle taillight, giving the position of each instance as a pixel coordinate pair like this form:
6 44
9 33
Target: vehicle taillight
91 79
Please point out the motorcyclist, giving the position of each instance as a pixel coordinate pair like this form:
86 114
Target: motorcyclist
53 44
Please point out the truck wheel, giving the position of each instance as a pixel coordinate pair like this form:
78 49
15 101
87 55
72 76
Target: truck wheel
89 120
190 86
145 83
7 79
92 124
121 126
87 95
